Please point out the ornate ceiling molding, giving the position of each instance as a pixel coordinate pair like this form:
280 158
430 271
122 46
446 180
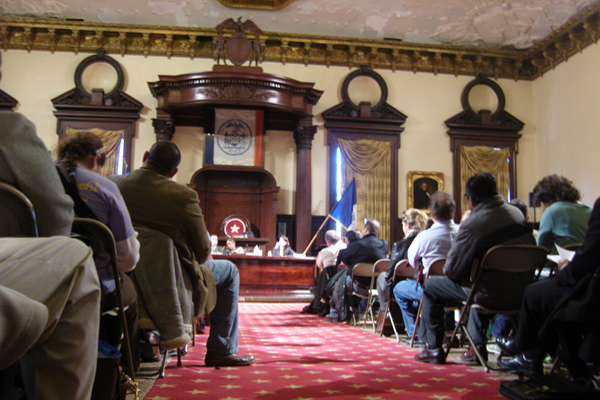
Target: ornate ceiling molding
73 36
257 4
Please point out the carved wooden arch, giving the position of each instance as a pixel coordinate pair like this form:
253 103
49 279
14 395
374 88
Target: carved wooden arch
287 105
115 110
380 122
484 128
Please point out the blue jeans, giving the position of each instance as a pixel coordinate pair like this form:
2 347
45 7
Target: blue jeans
408 295
223 337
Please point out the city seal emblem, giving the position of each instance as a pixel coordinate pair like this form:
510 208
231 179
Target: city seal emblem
234 137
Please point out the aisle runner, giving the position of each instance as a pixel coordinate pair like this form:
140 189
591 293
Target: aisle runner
302 357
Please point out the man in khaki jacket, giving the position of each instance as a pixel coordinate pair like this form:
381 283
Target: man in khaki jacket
156 202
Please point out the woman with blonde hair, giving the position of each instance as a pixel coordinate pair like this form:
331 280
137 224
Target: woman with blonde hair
413 222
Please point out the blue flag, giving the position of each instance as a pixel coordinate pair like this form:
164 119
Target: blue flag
345 211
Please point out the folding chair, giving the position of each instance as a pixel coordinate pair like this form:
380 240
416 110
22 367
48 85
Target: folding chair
521 261
368 271
107 240
436 268
18 217
401 270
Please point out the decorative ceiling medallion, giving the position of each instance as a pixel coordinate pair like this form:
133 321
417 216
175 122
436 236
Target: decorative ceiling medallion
256 4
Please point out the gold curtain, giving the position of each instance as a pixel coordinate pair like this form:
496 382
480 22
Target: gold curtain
477 159
369 162
110 140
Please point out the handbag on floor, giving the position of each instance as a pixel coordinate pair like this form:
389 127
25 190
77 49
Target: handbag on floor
546 387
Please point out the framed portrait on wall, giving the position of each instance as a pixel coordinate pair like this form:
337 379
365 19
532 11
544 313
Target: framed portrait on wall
234 137
421 185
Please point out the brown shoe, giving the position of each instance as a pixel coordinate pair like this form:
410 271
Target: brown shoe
227 360
435 356
471 357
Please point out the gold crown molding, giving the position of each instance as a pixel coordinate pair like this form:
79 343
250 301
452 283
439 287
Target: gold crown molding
74 36
257 4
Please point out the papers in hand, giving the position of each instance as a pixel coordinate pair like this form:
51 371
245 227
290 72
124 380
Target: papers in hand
563 254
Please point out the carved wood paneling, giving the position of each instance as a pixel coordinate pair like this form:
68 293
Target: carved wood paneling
73 36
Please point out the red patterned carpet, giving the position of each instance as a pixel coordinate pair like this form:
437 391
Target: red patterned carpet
302 357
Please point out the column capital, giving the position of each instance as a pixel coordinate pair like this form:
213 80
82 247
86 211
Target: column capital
304 135
163 128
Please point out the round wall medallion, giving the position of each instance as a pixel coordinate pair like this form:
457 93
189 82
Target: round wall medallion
99 57
481 80
365 71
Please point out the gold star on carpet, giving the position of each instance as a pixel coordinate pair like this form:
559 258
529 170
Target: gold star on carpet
457 375
440 396
420 371
330 392
388 368
373 398
201 380
356 386
322 380
198 391
295 386
289 376
232 376
231 387
263 392
381 380
231 398
460 389
160 398
337 369
258 372
201 371
397 390
314 372
479 384
420 384
164 385
438 379
347 376
403 376
304 398
261 381
367 372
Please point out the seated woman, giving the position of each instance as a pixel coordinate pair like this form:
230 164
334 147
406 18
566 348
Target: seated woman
81 157
413 222
230 248
282 248
564 221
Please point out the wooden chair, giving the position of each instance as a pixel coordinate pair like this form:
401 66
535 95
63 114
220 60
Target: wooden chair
518 260
436 268
86 226
402 270
18 217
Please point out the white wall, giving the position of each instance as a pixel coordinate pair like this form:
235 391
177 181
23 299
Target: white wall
567 114
428 100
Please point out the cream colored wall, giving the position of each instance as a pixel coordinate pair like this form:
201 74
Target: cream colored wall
567 114
428 100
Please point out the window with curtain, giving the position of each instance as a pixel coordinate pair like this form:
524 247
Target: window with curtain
369 163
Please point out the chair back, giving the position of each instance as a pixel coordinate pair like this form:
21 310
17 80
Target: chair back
104 236
501 277
403 269
381 266
362 269
18 217
436 268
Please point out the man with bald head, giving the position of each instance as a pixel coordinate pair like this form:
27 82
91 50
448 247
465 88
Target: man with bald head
158 203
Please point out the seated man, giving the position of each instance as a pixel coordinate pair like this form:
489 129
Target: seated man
369 249
215 248
491 222
326 264
547 300
174 210
230 248
54 281
428 245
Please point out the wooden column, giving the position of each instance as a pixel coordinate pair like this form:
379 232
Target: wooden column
303 135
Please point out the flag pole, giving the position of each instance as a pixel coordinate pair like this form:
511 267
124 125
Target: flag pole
319 230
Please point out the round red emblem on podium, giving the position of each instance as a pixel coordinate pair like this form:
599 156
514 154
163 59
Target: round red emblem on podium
234 227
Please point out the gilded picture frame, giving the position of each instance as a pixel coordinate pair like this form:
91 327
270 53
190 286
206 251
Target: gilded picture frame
420 186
